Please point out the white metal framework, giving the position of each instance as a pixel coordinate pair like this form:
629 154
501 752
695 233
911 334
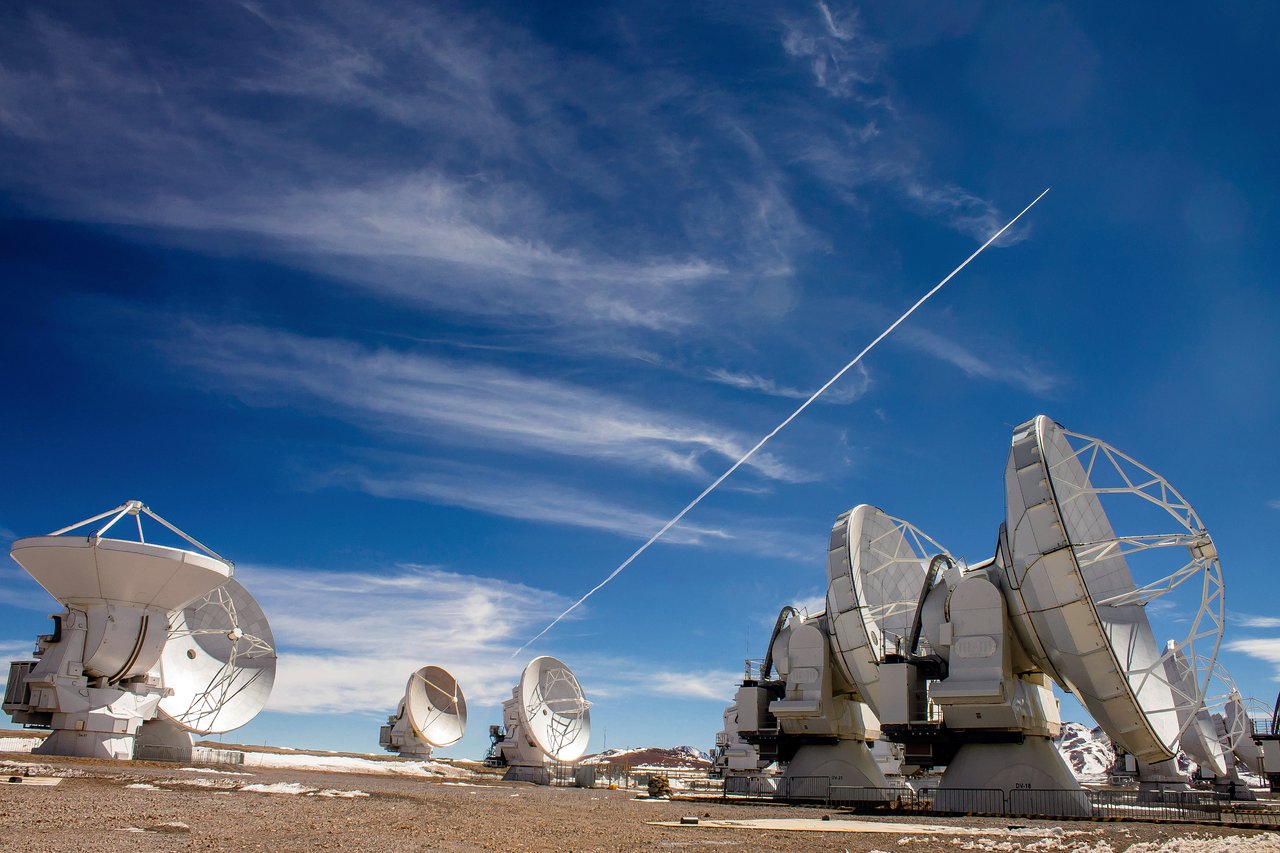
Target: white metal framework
557 711
1183 551
220 649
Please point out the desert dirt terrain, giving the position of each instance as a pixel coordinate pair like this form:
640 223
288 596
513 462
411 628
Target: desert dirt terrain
145 806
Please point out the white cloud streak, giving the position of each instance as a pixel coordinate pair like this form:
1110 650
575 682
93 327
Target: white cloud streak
531 497
842 58
349 640
851 389
715 684
1266 649
1020 372
1246 620
17 649
511 494
472 185
466 404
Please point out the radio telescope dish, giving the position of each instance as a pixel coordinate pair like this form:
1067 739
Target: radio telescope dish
1201 739
99 679
435 706
219 661
432 713
1243 718
876 565
1071 589
553 709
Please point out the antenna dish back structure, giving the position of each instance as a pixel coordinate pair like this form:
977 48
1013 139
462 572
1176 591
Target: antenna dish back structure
432 713
547 719
876 566
1072 590
103 672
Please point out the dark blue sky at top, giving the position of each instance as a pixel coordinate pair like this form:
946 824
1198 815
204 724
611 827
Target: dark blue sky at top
348 291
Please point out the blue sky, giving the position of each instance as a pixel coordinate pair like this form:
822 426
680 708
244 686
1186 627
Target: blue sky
428 315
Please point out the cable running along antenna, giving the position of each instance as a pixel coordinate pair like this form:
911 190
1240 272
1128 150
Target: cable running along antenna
791 417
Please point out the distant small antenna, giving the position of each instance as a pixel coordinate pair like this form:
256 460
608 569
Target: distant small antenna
791 417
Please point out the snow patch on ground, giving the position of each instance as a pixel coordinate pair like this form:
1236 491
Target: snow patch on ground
215 772
200 782
472 785
1261 843
142 786
350 764
297 788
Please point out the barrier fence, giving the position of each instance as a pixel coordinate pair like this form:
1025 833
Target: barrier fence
1167 806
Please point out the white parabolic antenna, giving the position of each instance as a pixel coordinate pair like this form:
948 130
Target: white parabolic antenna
553 710
148 630
435 706
876 566
219 661
1071 590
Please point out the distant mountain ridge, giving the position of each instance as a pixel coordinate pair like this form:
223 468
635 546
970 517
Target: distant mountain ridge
1088 752
684 757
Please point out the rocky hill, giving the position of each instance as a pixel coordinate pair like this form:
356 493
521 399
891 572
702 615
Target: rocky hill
682 757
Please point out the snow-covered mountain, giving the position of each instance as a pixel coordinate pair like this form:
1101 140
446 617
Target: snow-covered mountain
1088 751
652 756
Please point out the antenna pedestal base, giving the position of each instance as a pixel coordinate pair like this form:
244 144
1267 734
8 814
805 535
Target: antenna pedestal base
87 745
1031 776
525 773
847 763
1162 782
161 740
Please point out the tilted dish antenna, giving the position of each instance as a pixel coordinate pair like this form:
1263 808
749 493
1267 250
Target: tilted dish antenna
219 661
435 707
876 566
96 680
1246 718
553 710
1072 595
1205 737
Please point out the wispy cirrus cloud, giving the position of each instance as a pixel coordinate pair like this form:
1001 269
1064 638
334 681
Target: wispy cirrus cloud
843 59
851 388
460 403
532 497
712 684
487 168
513 495
1020 372
1266 649
962 210
1248 620
1274 504
16 649
336 655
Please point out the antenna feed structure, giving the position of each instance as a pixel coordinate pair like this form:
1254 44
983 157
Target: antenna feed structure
154 643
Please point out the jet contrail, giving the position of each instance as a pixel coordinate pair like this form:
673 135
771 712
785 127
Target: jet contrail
791 417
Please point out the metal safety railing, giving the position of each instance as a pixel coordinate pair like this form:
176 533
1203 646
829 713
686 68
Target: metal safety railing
815 789
1171 805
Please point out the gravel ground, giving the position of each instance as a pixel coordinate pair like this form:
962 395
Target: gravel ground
144 806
